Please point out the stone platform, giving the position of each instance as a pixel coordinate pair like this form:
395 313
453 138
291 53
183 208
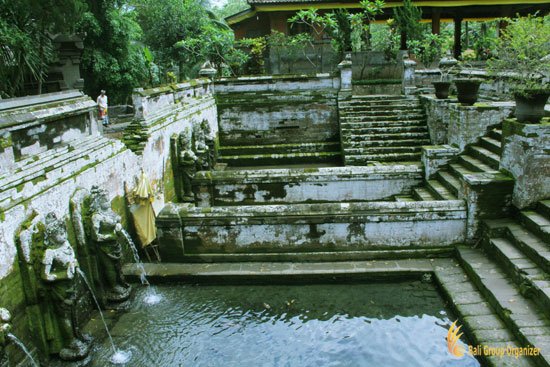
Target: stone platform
305 185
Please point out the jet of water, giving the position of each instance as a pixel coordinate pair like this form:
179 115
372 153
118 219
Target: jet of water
152 297
22 346
119 357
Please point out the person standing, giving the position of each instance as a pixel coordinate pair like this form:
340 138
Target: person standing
102 103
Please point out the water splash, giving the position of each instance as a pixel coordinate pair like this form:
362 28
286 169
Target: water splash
119 357
22 346
133 247
152 297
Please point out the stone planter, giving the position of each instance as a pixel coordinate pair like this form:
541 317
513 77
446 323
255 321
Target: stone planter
467 90
442 89
530 106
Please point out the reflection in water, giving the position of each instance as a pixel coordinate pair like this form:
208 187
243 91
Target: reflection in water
383 324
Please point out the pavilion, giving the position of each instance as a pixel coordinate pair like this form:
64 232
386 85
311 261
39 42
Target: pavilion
265 16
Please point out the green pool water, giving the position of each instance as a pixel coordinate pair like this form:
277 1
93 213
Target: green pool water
381 324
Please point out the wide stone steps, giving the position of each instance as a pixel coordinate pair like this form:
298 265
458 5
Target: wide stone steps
368 122
364 159
474 164
523 317
280 148
389 143
449 181
381 113
439 191
51 164
536 222
496 134
280 159
491 145
54 173
385 117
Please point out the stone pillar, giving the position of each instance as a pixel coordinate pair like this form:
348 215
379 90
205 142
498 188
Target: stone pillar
170 233
346 76
447 64
526 157
208 71
436 21
409 67
458 33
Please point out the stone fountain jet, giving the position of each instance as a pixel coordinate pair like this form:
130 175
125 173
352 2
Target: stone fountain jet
100 236
48 266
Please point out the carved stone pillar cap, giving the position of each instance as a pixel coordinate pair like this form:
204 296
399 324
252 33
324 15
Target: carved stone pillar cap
346 63
207 69
448 61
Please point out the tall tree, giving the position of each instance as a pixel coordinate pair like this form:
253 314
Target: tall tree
113 57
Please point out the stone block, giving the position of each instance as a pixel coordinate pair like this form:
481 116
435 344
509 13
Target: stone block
436 156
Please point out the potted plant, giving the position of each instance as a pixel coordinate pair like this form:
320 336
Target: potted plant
446 65
467 88
522 59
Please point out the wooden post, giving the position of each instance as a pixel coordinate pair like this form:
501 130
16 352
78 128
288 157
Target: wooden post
403 41
458 33
436 21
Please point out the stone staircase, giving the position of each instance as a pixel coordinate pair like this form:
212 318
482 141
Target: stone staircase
511 271
381 128
280 154
38 173
478 159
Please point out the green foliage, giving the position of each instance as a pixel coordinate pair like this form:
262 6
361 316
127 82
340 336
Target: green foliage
183 34
346 31
290 47
256 49
385 38
523 50
407 18
113 59
26 49
230 7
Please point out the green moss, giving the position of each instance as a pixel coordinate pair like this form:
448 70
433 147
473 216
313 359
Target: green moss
169 188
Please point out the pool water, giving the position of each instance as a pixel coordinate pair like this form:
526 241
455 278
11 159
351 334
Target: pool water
379 324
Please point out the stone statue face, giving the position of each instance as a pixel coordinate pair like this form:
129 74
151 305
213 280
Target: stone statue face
185 142
56 234
104 203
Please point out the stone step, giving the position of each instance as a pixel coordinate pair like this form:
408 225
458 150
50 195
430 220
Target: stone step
58 173
29 165
378 107
388 143
543 208
533 282
43 157
536 223
486 156
278 159
496 134
492 145
439 191
450 182
381 97
346 126
381 150
522 316
458 170
365 111
18 180
404 198
474 164
386 117
531 245
376 131
359 160
280 148
394 136
422 194
481 323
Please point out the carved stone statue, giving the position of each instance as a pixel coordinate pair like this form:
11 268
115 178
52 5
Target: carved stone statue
5 328
106 233
209 139
57 273
201 149
184 165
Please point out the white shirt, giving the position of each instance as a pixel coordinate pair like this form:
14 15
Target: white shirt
102 101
